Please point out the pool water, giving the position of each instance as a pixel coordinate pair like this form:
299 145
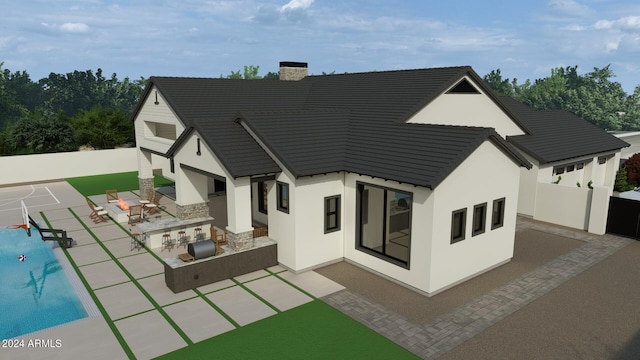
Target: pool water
35 294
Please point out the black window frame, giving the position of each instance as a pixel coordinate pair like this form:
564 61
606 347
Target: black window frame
477 230
280 198
461 221
262 197
499 222
328 214
602 160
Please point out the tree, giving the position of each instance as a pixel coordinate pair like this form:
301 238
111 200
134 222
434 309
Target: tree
42 133
250 72
621 182
103 128
632 167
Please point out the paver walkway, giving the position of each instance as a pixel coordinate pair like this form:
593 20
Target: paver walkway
434 338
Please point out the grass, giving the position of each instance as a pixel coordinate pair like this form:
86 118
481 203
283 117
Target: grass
311 331
98 184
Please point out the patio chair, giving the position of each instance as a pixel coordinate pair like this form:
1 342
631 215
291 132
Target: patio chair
112 195
98 213
52 234
153 207
135 214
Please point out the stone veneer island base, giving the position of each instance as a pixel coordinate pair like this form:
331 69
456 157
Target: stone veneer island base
180 276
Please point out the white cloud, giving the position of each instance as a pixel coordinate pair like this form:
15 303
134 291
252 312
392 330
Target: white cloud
74 27
297 4
625 23
569 9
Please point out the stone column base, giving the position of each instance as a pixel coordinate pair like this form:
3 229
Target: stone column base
192 211
241 241
145 185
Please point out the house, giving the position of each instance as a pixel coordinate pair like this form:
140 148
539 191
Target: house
630 137
405 173
574 167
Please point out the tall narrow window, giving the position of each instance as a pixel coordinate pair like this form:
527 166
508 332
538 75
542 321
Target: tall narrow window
331 214
479 219
458 225
282 193
262 197
497 217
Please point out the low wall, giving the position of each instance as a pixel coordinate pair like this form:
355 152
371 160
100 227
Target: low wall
19 169
579 208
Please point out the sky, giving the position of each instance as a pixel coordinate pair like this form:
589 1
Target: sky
210 38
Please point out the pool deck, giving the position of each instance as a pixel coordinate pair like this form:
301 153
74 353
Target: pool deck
565 294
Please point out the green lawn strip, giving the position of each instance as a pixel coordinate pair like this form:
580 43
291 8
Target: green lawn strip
104 313
208 301
98 184
314 330
256 295
135 282
291 284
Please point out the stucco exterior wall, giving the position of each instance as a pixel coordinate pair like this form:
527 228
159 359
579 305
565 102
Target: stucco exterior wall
313 246
467 110
485 176
20 169
150 113
564 205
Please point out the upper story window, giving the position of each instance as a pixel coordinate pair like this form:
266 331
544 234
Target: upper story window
162 130
602 160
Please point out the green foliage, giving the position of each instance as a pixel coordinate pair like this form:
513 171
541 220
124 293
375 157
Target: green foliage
103 128
632 167
578 184
250 73
557 181
621 183
593 96
42 133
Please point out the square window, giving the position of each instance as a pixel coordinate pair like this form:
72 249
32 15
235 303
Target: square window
458 225
570 168
558 170
282 193
479 219
497 217
331 214
579 166
602 160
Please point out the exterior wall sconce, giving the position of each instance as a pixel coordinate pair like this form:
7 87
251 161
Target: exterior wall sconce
156 102
198 151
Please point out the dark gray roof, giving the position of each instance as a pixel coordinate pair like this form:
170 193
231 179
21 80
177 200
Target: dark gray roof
322 124
558 135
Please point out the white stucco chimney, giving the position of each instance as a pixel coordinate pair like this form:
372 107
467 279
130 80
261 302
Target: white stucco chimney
293 71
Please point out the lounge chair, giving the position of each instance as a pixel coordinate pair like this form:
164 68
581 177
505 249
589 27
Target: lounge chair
112 195
52 234
153 207
98 213
135 214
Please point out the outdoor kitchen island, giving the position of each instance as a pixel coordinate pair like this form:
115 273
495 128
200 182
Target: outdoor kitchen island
153 231
180 276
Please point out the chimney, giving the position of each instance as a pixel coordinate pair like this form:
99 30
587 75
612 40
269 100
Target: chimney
293 70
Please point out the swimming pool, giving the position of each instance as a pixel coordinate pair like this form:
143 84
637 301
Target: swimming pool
35 293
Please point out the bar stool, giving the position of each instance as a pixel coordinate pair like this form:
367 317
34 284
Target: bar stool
167 242
182 238
198 235
137 241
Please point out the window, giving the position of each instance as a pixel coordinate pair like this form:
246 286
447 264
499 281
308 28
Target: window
262 197
570 168
383 227
558 170
458 225
331 214
497 217
479 219
579 166
602 160
282 192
